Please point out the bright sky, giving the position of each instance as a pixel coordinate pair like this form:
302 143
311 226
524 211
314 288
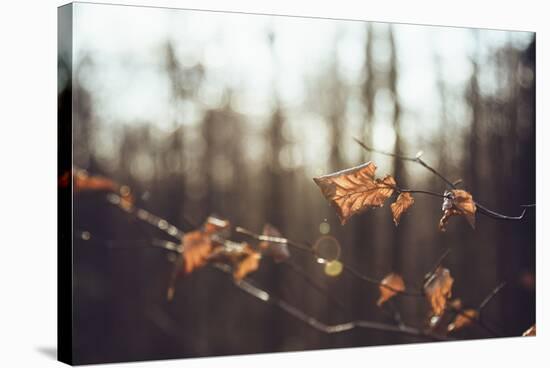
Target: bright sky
129 84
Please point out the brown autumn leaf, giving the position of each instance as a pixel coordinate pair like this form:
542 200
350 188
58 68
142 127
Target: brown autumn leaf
389 286
249 262
82 181
355 190
198 246
278 251
403 202
458 202
531 331
463 319
438 289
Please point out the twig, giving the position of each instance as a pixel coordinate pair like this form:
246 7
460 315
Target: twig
483 210
321 289
490 297
433 194
305 247
437 264
263 295
474 320
146 216
416 159
498 216
266 297
378 283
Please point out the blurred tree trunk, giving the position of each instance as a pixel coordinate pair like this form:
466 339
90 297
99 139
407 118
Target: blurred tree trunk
398 169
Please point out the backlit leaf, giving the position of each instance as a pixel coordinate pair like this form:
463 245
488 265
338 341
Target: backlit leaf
355 190
438 290
401 205
463 319
458 202
198 245
389 286
248 263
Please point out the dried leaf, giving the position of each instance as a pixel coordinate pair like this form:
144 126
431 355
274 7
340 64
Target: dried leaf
401 205
438 289
389 286
463 319
278 251
248 263
531 331
82 181
197 248
458 202
355 190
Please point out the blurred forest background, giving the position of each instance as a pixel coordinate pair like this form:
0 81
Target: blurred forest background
233 114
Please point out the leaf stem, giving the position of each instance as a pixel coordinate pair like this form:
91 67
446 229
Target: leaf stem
434 194
453 185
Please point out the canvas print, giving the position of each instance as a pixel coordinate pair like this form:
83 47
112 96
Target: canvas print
237 183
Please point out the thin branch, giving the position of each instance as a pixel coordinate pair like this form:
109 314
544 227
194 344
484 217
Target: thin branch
474 320
498 216
273 239
416 159
321 289
438 263
378 283
266 297
423 163
351 270
433 194
146 216
490 297
483 210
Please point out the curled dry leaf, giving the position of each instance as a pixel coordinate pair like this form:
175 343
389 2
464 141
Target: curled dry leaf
463 319
531 331
458 202
82 181
249 262
438 289
198 245
355 190
389 286
401 205
277 250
